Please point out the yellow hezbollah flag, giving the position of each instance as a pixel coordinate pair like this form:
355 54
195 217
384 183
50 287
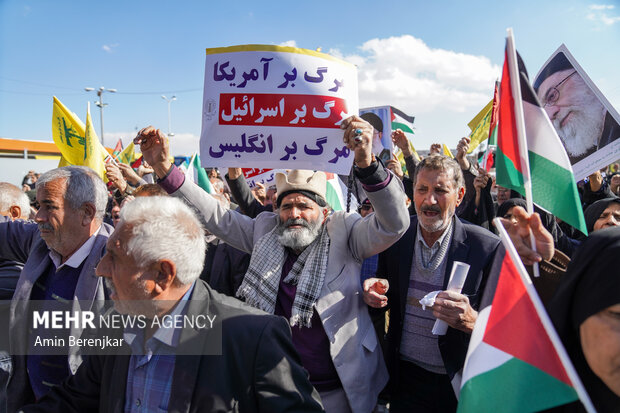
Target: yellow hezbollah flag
68 134
446 151
401 157
94 153
128 155
415 153
479 126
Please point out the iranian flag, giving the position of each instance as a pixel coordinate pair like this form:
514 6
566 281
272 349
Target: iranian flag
335 190
516 361
530 157
197 174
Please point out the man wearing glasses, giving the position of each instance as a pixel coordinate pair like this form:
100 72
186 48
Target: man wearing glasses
579 117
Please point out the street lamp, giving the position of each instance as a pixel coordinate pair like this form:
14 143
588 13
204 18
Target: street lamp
100 103
169 102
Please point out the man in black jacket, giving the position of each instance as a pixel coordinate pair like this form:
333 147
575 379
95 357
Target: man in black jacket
425 367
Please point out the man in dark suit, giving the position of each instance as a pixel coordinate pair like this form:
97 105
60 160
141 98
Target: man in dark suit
424 367
178 368
60 252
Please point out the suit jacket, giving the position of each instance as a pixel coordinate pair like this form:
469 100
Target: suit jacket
470 244
353 342
258 371
21 241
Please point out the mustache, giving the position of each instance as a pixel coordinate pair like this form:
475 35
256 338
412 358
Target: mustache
45 226
299 221
110 285
431 208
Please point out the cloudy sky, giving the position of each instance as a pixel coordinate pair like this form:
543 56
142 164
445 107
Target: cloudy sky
436 60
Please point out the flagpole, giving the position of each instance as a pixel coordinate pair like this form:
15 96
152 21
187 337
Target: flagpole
544 318
515 85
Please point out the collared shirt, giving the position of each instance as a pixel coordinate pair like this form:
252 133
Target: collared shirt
429 254
76 259
151 365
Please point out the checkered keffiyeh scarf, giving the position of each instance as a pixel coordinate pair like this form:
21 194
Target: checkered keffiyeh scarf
261 282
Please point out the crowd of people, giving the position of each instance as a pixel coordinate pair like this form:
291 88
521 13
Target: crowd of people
319 309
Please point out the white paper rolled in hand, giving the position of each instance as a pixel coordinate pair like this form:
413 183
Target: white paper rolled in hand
455 283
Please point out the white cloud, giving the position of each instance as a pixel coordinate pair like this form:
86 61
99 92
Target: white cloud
443 89
601 7
290 43
598 14
109 47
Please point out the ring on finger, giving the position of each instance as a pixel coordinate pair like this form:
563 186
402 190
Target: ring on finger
358 132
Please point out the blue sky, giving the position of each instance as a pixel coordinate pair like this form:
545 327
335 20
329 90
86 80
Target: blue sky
435 60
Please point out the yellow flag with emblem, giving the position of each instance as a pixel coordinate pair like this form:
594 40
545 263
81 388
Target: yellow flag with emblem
77 147
479 126
446 151
68 134
128 155
94 152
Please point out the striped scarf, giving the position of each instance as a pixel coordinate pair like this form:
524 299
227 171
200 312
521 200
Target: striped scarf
262 280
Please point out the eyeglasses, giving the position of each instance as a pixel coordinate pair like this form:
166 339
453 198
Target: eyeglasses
553 94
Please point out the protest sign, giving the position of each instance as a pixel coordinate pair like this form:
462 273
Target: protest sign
265 177
276 107
587 124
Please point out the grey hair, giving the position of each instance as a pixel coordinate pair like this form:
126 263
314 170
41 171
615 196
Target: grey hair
83 186
441 163
164 227
11 195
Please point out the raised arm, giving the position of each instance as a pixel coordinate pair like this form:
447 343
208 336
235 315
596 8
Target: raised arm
230 226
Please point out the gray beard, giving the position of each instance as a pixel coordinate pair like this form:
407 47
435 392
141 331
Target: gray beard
298 238
583 131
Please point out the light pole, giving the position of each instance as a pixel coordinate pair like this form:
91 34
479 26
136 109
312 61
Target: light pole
100 104
169 102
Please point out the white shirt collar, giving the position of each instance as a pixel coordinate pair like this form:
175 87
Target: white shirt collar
76 259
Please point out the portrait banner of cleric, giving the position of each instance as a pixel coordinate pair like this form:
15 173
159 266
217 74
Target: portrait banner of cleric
585 121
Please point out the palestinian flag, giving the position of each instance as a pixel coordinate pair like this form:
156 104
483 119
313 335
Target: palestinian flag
404 122
136 164
529 151
197 174
335 191
118 148
515 361
401 121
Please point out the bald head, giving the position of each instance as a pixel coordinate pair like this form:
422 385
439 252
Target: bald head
13 202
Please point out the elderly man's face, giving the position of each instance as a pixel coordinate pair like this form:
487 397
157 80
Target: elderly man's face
503 194
129 285
600 341
577 115
60 225
436 196
609 218
300 221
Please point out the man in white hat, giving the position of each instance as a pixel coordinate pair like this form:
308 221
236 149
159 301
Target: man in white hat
305 265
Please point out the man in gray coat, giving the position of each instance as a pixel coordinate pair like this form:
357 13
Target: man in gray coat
60 252
306 265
